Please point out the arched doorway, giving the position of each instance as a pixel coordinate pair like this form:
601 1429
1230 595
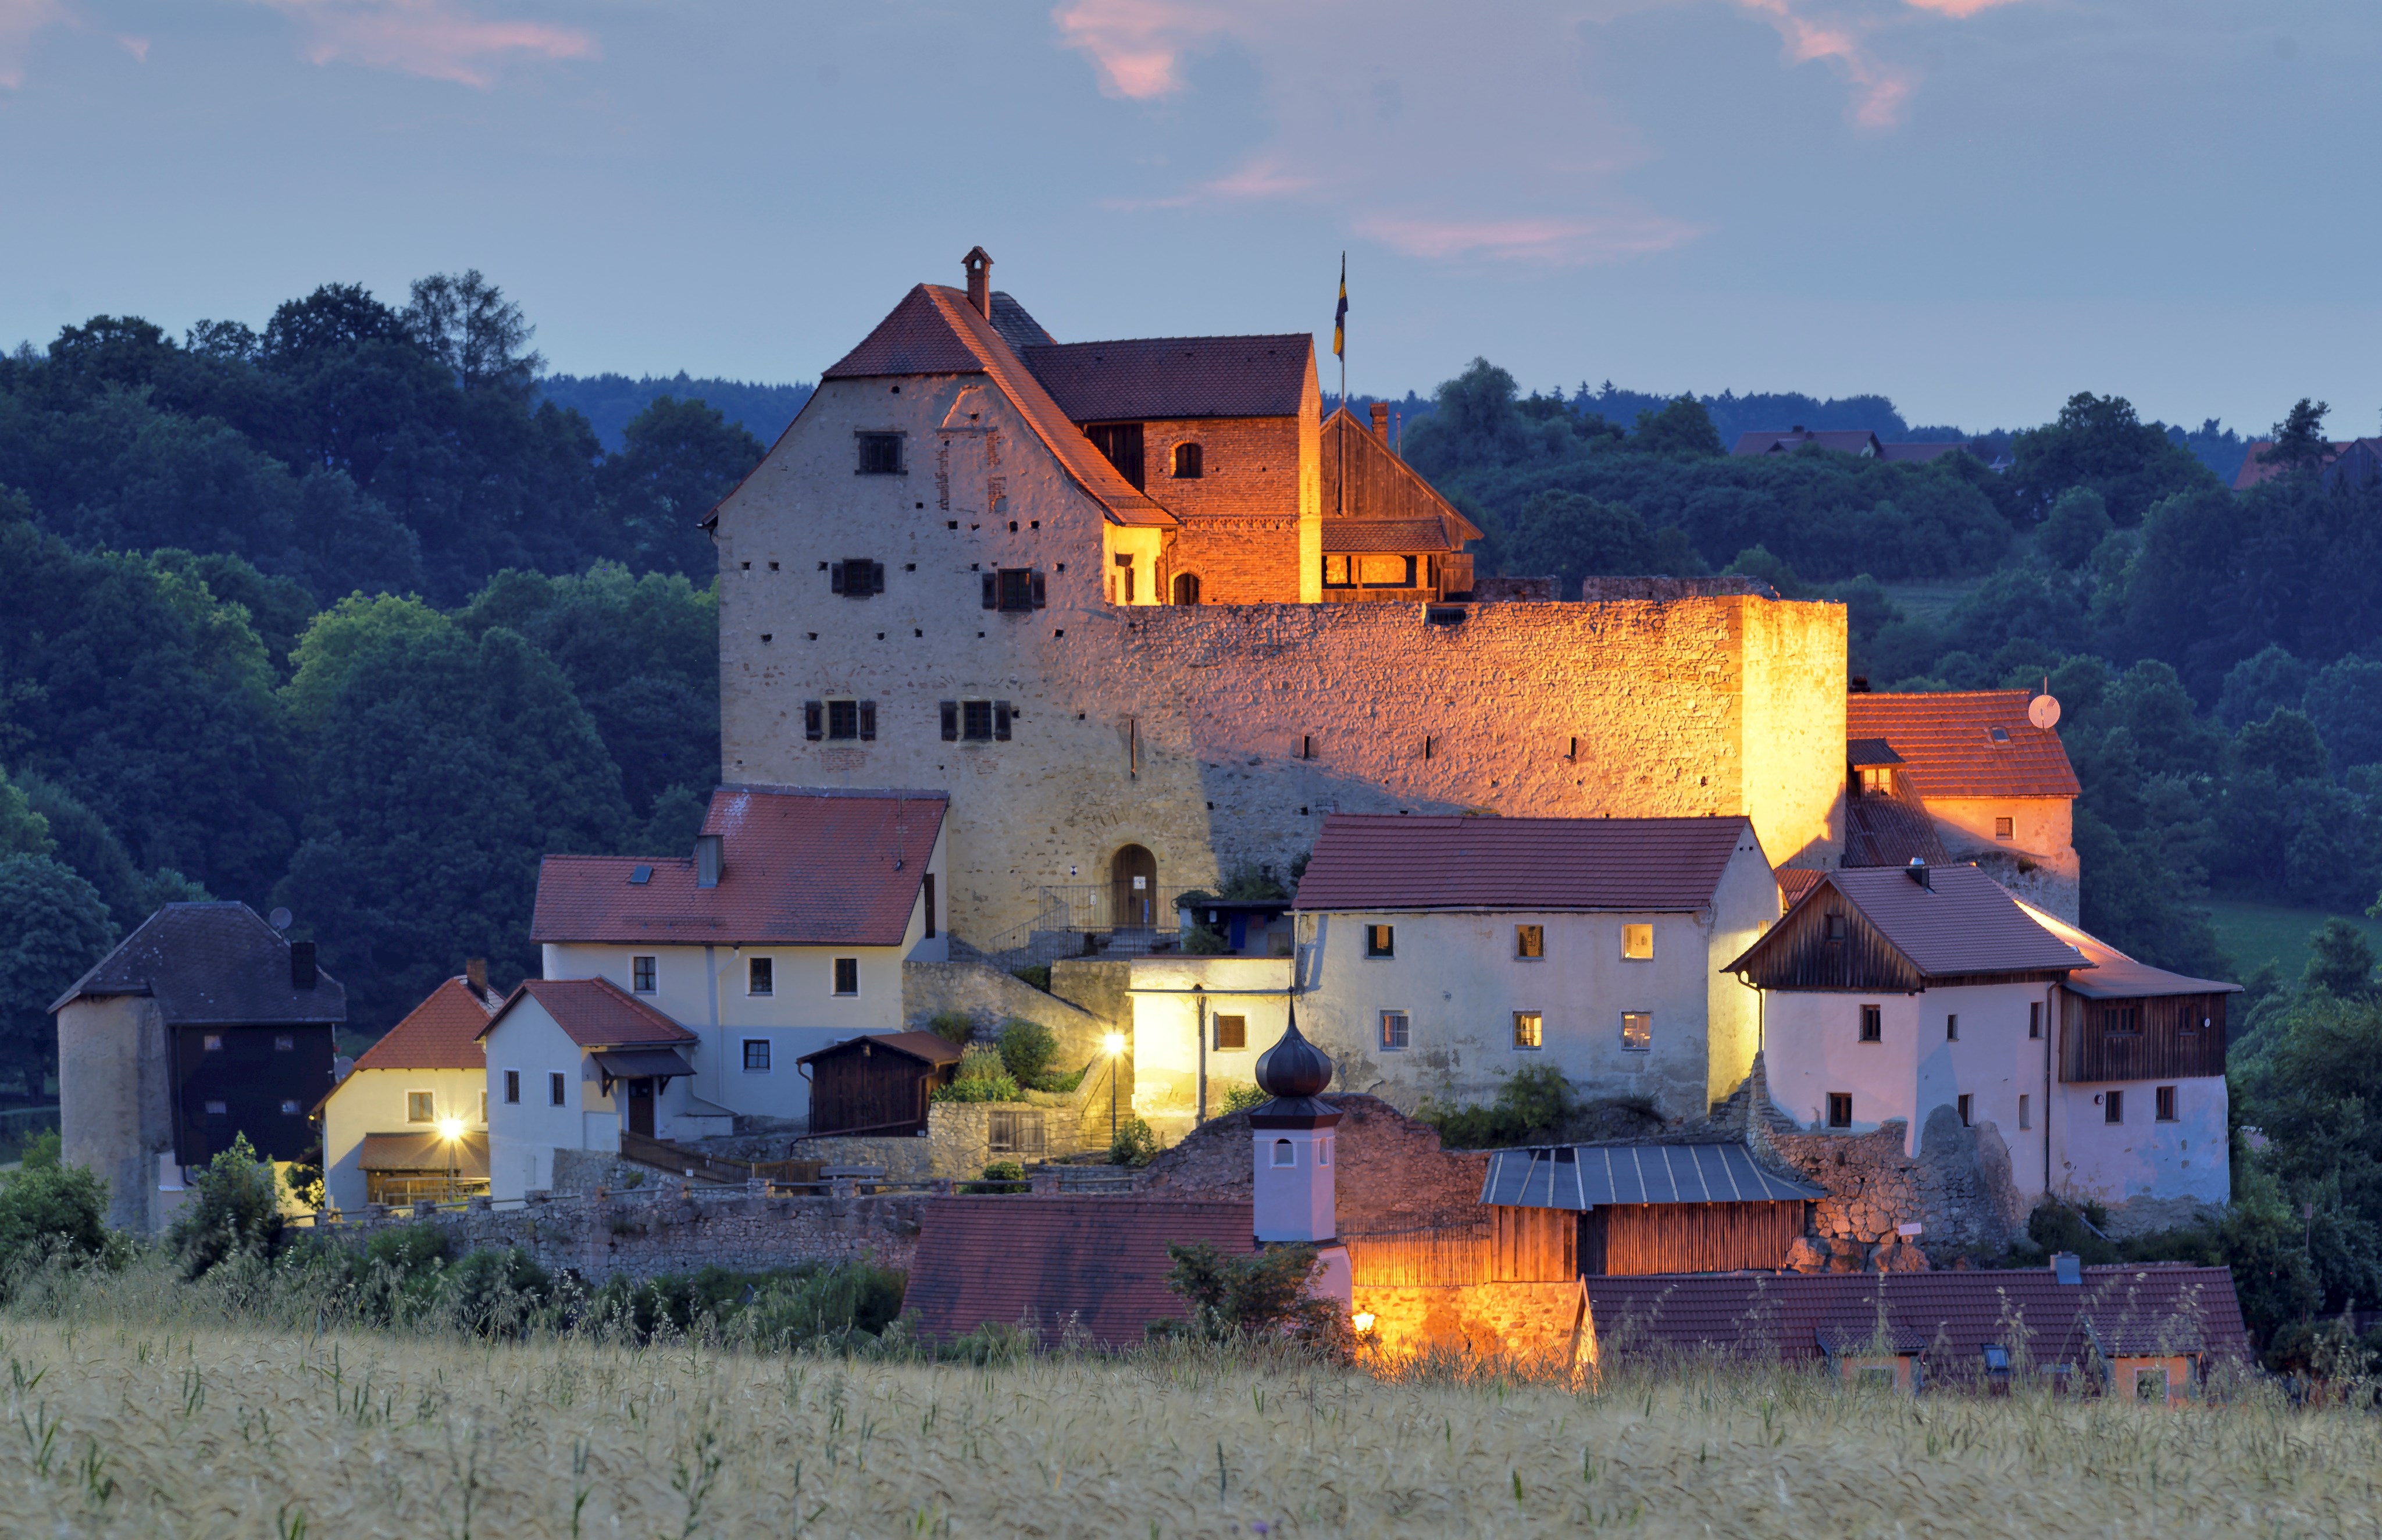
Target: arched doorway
1133 876
1186 589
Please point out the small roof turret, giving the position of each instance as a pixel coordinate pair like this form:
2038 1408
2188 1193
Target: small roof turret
1294 1073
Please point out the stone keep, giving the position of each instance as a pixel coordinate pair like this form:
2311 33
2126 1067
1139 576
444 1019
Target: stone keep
1292 1177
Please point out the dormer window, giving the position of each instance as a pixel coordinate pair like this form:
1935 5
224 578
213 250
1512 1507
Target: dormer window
1998 734
1877 781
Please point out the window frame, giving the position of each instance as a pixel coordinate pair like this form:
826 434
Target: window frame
1529 1031
422 1106
1840 1109
872 444
1382 940
842 720
1189 461
1951 1026
2035 1021
2025 1112
644 974
767 1046
1633 932
2113 1109
2165 1105
1965 1103
2005 828
1240 1033
513 1088
1530 944
558 1088
760 977
1872 1023
846 970
1641 1025
1402 1033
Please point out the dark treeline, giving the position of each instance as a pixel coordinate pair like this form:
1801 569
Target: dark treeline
611 403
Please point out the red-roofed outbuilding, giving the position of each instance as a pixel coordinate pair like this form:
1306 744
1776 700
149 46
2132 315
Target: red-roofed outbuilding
414 1108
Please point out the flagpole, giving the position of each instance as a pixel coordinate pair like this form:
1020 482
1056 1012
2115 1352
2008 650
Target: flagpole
1340 346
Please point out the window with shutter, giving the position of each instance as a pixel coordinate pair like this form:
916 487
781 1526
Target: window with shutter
978 724
877 577
1000 719
992 590
868 719
835 577
1019 587
1039 601
844 718
951 722
813 719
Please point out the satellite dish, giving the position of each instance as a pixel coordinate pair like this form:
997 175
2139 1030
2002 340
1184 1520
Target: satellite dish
2044 711
278 920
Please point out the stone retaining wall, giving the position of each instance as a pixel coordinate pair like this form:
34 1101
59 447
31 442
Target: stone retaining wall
1542 1326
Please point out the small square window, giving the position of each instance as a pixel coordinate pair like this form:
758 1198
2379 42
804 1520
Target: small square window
1528 1030
641 975
2113 1106
761 976
288 1109
1952 1028
1380 940
756 1056
847 975
1637 1031
2005 829
880 453
513 1088
1835 927
212 1042
1965 1103
1872 1024
1637 942
1394 1030
284 1043
2164 1109
421 1107
218 1109
2150 1385
1231 1032
1840 1109
1529 941
557 1090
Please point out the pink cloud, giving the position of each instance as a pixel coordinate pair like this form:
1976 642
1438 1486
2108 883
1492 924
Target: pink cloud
1880 88
431 38
1265 177
1549 243
1957 7
20 19
1137 45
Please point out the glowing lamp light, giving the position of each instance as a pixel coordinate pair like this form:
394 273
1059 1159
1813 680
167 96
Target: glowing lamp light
1362 1320
450 1129
1114 1043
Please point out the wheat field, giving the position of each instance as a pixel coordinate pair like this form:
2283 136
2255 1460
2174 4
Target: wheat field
177 1421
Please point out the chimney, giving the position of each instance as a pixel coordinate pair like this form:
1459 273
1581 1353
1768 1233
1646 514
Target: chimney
302 971
707 855
475 973
1918 873
1381 421
980 280
1860 684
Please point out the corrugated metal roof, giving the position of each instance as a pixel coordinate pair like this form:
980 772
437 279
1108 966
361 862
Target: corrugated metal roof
443 1032
797 868
1365 862
1951 1316
1586 1176
1946 738
208 965
1097 1265
1142 379
1890 830
594 1013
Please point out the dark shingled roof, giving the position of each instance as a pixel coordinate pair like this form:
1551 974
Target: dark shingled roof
1890 830
1949 1316
212 965
1961 921
928 1047
835 867
1141 378
594 1013
1016 327
1365 862
1947 738
1096 1266
1390 535
2115 976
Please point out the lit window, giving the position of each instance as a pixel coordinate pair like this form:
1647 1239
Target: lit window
1637 942
1878 778
1529 941
756 1056
1337 573
2005 829
1231 1032
1872 1024
2113 1107
1840 1109
1385 572
1529 1030
556 1090
1965 1102
847 975
1637 1031
1394 1030
1380 940
513 1088
641 975
420 1107
761 976
2164 1111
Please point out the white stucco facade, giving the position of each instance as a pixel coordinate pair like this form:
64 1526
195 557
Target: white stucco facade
523 1135
378 1101
2143 1155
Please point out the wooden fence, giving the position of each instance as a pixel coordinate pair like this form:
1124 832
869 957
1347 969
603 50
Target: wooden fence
1630 1239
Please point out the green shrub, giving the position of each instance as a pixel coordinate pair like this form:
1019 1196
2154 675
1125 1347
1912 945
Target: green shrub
1027 1049
496 1290
1243 1095
980 1078
1533 1108
1036 974
954 1027
1134 1145
1232 1298
47 1208
1203 941
235 1210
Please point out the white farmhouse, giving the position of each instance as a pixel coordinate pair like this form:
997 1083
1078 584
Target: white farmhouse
783 932
1929 994
410 1120
1440 954
572 1065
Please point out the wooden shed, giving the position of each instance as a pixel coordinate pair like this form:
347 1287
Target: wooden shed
876 1085
1657 1208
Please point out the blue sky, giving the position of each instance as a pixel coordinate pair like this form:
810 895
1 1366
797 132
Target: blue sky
1975 206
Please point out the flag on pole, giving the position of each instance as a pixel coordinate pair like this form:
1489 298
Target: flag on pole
1340 317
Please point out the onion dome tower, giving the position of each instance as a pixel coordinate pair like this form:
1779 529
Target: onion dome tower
1293 1176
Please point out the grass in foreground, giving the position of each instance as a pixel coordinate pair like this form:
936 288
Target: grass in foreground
141 1407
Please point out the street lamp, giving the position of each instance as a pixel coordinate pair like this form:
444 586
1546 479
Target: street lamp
450 1129
1114 1043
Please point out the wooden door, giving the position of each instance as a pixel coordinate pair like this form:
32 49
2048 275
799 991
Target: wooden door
1133 873
641 1107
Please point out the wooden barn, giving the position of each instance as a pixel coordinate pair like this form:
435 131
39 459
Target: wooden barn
1656 1208
876 1085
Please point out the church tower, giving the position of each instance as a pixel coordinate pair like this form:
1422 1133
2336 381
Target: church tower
1292 1172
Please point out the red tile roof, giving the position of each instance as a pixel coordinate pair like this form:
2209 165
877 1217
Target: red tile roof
1390 535
1947 741
1959 922
594 1013
1950 1316
1366 862
443 1032
1140 378
1842 440
934 331
1921 453
830 868
1095 1265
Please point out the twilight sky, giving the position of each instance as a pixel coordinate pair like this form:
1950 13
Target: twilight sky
1975 206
